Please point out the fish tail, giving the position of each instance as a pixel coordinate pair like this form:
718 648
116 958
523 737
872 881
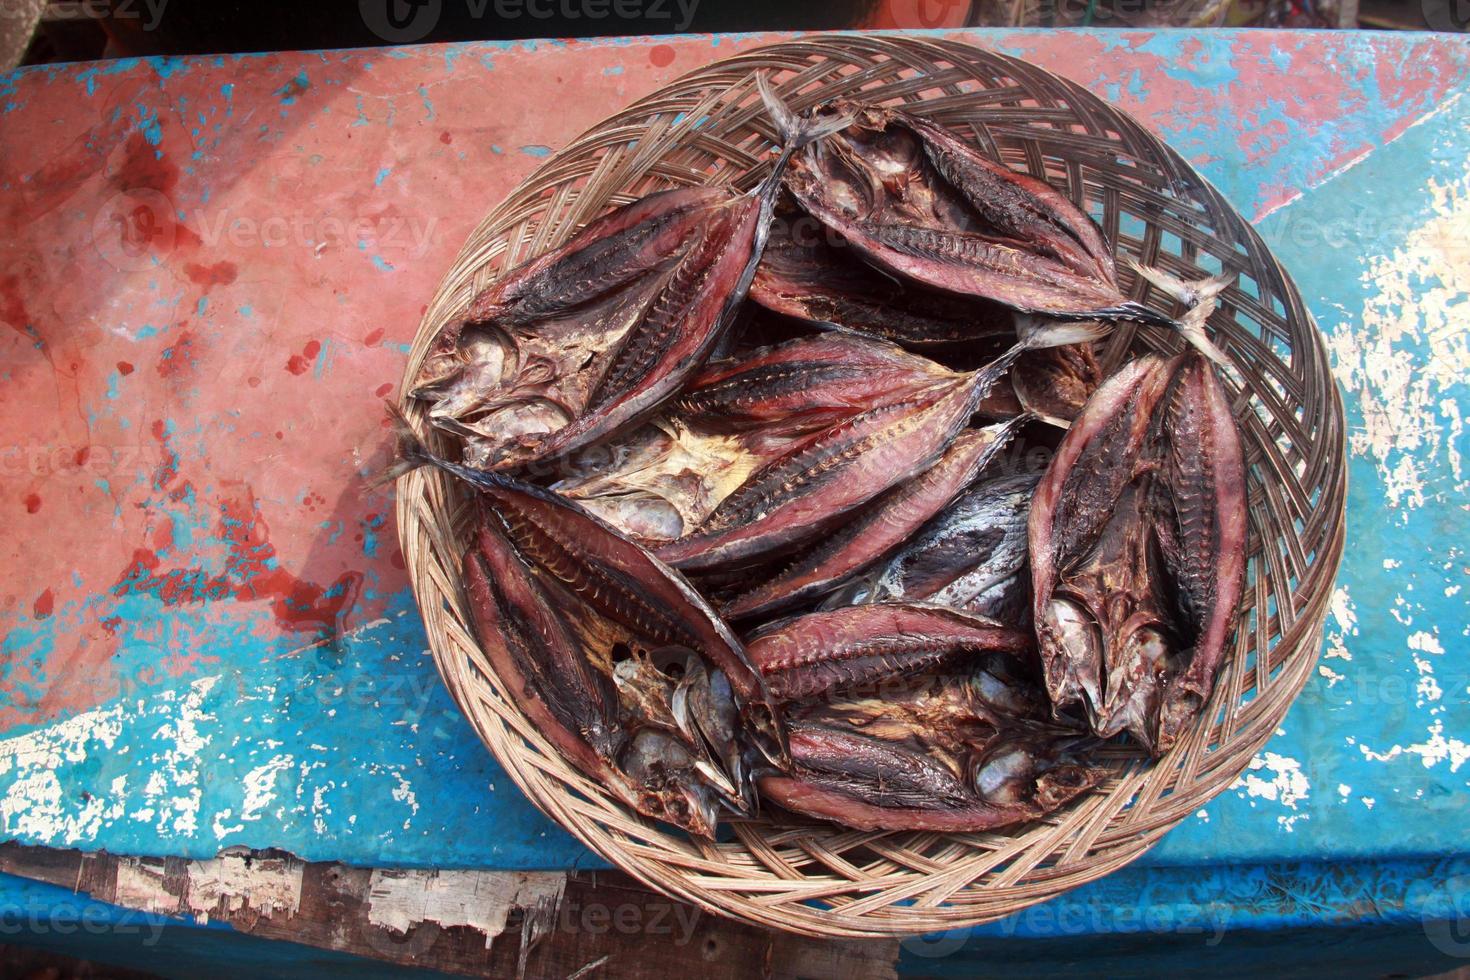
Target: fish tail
796 131
1192 328
1193 292
1037 332
1202 297
411 454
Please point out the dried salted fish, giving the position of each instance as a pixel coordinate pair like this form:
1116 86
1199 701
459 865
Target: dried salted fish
1137 542
817 653
882 526
1205 546
917 200
594 337
665 479
791 500
617 651
809 273
970 556
515 364
957 750
810 382
1104 452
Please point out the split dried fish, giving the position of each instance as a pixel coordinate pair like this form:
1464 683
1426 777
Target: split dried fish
971 556
1137 541
809 273
807 492
630 671
955 750
592 338
806 656
810 382
880 528
665 479
917 200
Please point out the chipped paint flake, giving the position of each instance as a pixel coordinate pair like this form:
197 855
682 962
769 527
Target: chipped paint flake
260 786
35 805
227 884
401 899
1425 642
1275 777
1435 748
1415 301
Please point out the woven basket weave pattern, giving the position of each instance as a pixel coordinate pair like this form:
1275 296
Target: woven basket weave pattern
818 879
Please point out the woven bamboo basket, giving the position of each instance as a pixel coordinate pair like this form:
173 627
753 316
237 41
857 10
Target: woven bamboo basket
816 878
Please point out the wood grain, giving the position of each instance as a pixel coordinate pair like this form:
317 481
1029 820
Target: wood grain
603 924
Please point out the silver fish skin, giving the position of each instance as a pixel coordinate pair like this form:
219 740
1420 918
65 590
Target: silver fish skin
972 556
880 528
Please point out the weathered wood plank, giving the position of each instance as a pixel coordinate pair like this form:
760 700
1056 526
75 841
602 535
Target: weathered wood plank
477 923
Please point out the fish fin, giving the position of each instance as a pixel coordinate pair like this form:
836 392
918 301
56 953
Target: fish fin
795 131
1036 332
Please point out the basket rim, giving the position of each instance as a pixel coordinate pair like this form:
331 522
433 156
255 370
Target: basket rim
678 874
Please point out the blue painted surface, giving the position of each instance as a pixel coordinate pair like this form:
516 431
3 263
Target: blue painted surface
36 914
350 750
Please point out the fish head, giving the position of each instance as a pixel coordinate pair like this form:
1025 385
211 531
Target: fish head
457 379
1030 769
668 785
1072 647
